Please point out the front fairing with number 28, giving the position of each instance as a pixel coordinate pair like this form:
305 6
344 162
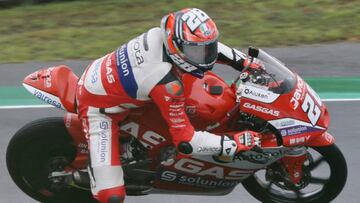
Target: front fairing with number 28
285 100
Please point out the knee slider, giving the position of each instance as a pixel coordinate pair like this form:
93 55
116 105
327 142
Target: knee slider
185 148
115 199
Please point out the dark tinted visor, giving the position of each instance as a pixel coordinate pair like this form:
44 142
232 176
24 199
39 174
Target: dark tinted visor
200 55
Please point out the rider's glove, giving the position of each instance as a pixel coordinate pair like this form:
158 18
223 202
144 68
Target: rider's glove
239 61
246 140
233 145
255 64
252 68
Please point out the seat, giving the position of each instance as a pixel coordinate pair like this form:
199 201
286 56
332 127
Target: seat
66 83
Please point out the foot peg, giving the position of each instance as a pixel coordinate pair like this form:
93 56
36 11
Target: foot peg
81 179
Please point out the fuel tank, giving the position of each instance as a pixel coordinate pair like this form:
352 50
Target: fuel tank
207 99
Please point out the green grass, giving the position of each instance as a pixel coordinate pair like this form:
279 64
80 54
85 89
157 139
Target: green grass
89 29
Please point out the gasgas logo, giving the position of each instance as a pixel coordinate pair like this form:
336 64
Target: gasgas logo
199 168
261 109
299 92
147 138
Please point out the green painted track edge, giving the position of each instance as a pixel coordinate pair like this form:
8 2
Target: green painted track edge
326 87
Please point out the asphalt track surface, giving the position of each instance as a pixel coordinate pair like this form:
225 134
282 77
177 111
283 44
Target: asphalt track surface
316 60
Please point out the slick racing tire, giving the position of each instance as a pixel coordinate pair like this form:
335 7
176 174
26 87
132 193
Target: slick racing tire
38 149
328 187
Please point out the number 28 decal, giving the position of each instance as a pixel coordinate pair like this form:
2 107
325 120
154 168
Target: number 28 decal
312 110
194 18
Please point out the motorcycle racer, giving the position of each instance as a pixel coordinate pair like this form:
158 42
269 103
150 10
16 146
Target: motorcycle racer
148 69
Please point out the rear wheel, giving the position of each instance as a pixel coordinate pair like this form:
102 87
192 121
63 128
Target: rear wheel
324 176
37 150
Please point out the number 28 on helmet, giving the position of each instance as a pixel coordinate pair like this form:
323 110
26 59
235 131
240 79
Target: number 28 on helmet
190 38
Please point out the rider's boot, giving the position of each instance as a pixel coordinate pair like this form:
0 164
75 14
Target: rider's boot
112 195
107 184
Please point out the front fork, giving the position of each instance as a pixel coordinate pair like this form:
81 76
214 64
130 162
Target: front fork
293 162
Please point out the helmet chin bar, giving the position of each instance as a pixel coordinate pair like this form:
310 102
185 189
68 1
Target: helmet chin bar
182 64
198 73
186 67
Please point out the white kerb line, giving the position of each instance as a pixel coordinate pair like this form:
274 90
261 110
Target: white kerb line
26 106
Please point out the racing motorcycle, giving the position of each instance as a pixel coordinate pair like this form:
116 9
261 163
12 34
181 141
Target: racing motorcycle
297 160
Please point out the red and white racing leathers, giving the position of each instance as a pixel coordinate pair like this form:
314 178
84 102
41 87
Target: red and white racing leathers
134 74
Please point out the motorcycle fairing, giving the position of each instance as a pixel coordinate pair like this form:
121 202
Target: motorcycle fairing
299 115
203 173
251 91
45 96
325 139
152 133
73 126
204 106
55 86
195 175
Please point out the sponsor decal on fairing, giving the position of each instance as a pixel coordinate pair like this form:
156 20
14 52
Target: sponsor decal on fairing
311 101
254 161
311 108
261 109
148 139
201 168
264 157
196 181
298 94
293 130
44 96
289 126
258 94
299 140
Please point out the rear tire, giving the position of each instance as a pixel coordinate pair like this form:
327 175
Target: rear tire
38 148
330 190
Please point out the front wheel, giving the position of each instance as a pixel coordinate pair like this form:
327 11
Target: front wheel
37 150
325 174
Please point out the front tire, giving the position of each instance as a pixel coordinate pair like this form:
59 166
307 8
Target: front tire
37 149
331 186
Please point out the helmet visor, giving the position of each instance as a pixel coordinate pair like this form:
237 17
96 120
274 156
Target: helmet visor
200 55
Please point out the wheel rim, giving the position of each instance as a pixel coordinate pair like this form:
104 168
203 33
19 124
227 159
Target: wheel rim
320 172
36 171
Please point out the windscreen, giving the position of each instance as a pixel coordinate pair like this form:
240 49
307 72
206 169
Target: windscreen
273 76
